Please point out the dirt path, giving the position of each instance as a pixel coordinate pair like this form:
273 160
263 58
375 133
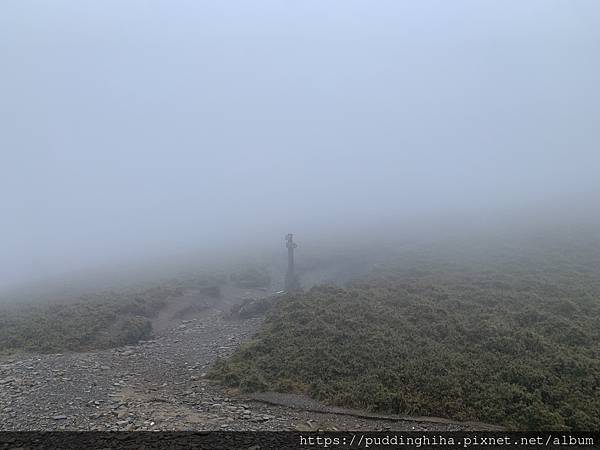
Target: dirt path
159 385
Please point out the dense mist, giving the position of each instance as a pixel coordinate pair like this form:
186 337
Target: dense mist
137 130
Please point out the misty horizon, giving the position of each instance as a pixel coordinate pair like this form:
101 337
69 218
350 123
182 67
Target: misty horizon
134 130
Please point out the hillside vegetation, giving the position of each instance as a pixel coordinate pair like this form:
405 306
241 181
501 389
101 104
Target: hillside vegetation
100 320
519 348
95 322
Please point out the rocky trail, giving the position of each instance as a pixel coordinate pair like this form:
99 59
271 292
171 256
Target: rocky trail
161 384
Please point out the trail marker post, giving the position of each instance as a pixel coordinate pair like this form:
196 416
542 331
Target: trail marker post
291 280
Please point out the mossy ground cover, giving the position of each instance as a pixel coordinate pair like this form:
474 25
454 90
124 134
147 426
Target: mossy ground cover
517 349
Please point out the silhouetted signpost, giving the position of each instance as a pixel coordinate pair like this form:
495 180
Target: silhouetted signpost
291 280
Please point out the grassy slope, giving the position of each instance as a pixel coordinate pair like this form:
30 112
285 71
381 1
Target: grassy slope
519 348
101 321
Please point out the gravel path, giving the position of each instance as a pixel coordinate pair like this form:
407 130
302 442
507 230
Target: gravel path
157 385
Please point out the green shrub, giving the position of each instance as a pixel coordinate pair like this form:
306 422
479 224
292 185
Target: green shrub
506 349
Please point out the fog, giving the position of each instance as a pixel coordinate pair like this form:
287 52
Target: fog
135 130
